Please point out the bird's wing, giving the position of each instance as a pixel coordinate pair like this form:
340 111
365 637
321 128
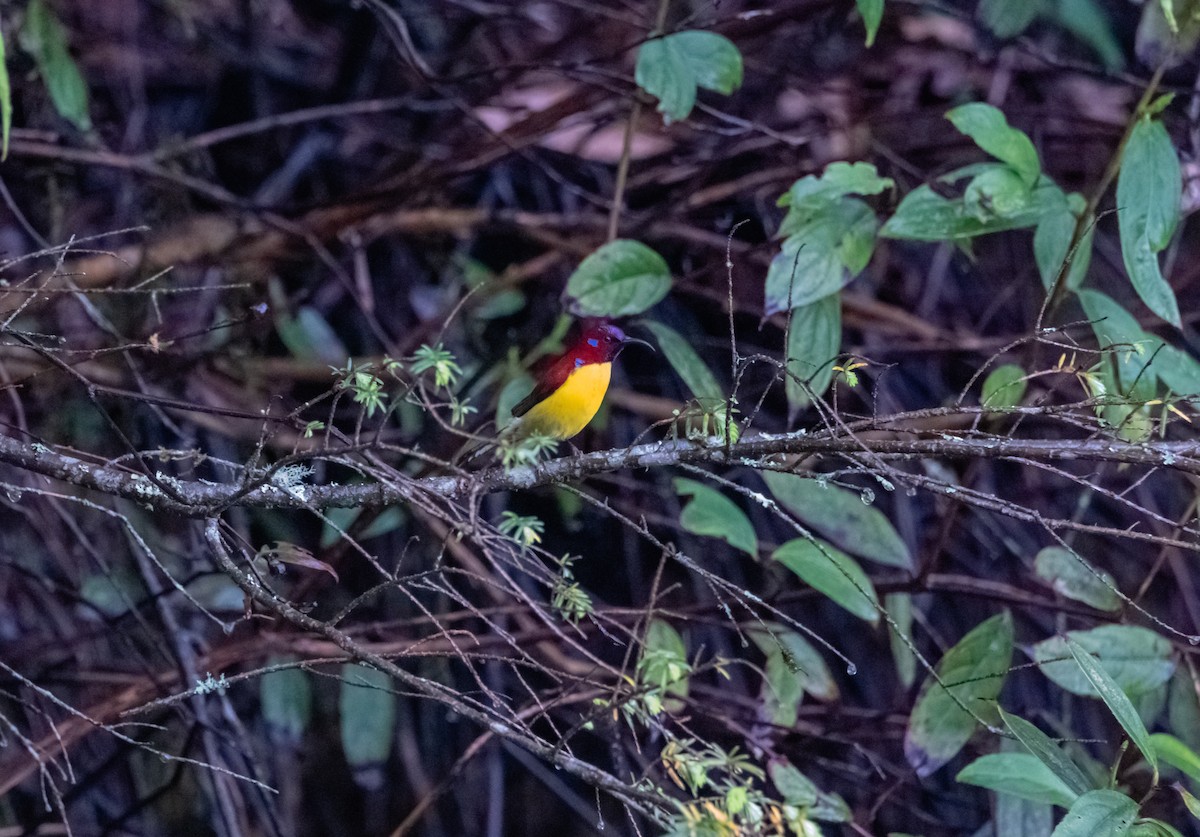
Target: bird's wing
547 378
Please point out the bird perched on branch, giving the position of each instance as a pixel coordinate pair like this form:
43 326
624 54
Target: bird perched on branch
569 389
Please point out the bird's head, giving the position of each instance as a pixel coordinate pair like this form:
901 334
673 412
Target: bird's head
600 342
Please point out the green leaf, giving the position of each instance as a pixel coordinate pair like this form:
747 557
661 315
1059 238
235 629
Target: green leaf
1148 190
821 255
1153 828
973 671
1073 577
712 514
827 569
672 67
1052 242
1177 754
830 807
663 72
715 62
367 709
1098 813
1008 18
899 607
286 697
812 194
781 691
795 788
999 192
1087 21
1183 708
663 664
924 215
989 128
46 39
620 279
801 668
1132 349
872 15
1016 817
5 102
1004 387
1117 701
1019 774
842 516
687 363
1048 752
1177 369
814 337
1136 658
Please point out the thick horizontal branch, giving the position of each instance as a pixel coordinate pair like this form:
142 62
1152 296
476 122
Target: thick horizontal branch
198 498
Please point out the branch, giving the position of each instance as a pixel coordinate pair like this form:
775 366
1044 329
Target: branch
201 498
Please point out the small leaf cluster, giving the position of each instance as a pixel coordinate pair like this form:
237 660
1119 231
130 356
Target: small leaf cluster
524 529
569 600
829 234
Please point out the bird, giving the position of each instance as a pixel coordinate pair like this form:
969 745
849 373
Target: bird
570 388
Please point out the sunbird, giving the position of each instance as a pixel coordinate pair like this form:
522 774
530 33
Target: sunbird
570 388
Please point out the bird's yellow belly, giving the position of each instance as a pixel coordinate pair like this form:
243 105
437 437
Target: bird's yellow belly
568 409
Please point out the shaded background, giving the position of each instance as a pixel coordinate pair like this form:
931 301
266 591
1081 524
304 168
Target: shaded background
319 195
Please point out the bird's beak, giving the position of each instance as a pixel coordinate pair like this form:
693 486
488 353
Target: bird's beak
629 340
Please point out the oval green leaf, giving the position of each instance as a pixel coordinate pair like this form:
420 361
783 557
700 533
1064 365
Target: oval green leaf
1148 189
687 364
1004 387
841 516
989 128
1073 577
1052 242
803 662
1136 658
822 254
714 61
973 672
1099 813
620 279
924 215
46 38
672 67
663 665
814 337
1019 774
711 514
828 570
